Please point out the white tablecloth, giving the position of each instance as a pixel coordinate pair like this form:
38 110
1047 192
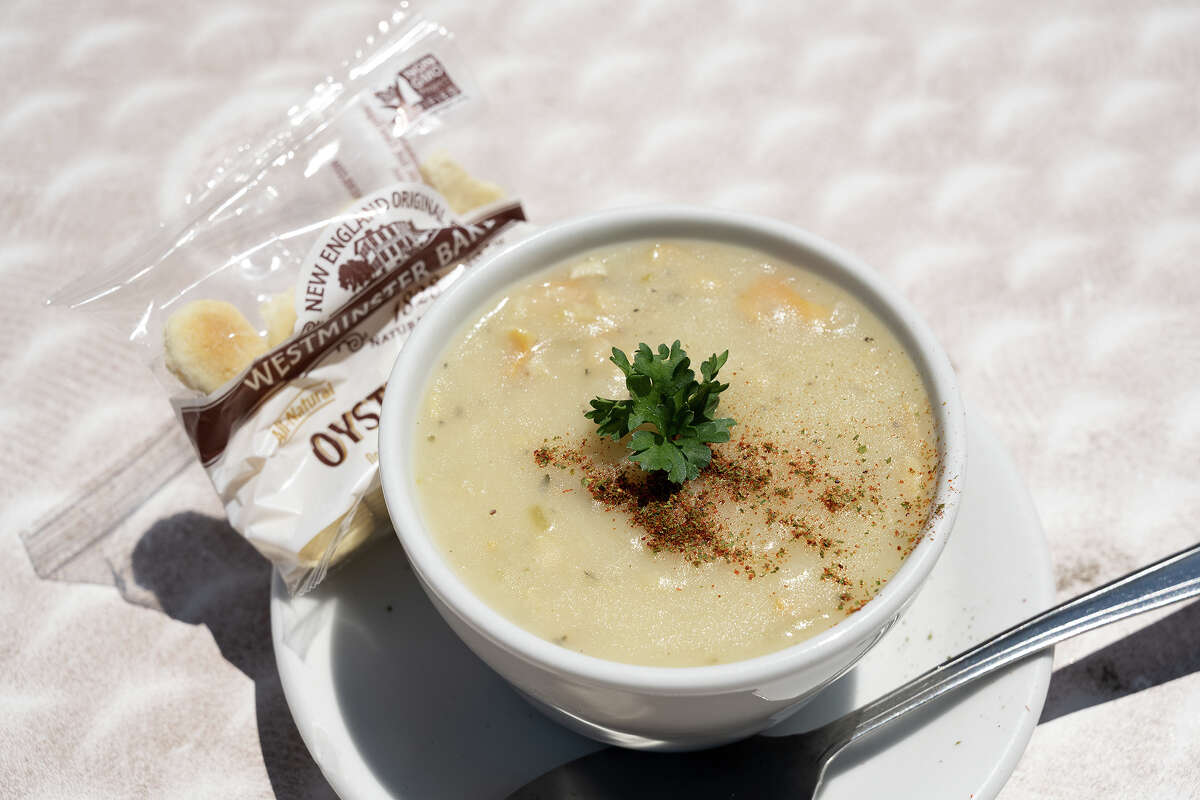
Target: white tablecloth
1027 173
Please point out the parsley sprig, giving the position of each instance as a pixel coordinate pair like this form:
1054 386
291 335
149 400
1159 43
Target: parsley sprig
664 393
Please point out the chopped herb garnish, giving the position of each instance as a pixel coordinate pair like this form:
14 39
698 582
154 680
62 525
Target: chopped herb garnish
664 393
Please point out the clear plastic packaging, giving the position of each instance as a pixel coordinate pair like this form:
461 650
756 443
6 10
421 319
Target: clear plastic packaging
273 315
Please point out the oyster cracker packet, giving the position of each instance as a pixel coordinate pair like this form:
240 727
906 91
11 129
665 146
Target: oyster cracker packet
273 316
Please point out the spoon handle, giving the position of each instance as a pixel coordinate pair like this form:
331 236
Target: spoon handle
1164 582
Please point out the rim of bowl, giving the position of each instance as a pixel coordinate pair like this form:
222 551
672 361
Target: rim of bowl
559 241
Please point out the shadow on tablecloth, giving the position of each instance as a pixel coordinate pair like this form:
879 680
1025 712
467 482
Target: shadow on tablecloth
1160 652
203 573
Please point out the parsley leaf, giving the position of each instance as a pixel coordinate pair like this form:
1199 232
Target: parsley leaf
665 395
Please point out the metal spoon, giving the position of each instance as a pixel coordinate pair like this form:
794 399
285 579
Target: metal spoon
793 766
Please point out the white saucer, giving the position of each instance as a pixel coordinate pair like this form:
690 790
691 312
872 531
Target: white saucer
392 705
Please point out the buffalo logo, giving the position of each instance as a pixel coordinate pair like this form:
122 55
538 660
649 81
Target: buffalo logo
392 96
380 249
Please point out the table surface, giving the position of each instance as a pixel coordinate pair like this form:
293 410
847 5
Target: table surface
1027 174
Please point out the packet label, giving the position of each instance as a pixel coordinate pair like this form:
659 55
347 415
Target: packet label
374 238
288 427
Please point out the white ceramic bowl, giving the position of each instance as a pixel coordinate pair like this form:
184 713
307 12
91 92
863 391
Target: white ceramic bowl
640 706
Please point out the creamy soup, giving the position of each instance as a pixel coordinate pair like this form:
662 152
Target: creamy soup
823 489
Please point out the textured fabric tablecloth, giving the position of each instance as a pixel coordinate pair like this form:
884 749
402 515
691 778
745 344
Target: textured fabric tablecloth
1027 173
